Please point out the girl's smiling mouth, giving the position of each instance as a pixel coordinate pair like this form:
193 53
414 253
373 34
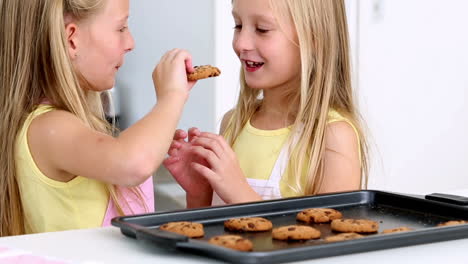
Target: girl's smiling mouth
252 66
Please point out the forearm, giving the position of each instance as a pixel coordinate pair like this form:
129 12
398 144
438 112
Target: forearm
150 137
242 195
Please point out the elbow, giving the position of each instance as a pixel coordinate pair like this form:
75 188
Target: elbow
138 170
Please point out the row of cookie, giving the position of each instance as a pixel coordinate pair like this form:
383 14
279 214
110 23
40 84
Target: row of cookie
298 232
349 228
325 215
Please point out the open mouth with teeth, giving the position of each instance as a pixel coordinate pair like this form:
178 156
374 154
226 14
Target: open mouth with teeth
252 66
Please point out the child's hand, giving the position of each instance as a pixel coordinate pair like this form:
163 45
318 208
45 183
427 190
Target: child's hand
170 75
178 164
223 170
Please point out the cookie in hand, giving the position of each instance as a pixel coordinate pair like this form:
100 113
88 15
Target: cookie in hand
202 72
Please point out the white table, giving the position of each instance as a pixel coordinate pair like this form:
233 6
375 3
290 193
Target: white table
108 245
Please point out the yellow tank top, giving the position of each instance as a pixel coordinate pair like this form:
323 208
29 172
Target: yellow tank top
258 162
51 205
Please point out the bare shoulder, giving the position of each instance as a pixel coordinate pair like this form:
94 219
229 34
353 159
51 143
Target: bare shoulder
53 124
52 139
225 121
342 158
340 136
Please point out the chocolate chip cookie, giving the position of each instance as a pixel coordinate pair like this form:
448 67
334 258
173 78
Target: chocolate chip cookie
189 229
453 222
318 215
248 224
232 242
343 237
202 72
396 230
354 225
295 232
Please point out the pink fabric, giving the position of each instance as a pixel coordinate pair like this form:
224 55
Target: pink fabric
17 256
29 259
134 204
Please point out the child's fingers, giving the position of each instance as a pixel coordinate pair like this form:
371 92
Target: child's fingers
180 134
172 152
175 145
183 55
171 55
207 155
205 172
188 65
218 138
210 144
191 84
171 160
193 133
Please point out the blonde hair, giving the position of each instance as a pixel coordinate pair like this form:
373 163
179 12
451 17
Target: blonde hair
34 64
325 84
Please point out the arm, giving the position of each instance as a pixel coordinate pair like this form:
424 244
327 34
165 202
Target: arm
223 170
198 190
179 163
63 146
342 171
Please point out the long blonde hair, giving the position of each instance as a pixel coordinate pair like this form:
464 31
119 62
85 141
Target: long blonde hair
322 33
34 64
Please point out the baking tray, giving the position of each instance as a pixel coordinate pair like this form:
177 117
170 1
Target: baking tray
390 210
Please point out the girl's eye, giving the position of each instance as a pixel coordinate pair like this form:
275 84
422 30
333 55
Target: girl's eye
123 29
238 27
259 30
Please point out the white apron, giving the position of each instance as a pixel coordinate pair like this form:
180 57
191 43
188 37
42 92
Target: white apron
267 189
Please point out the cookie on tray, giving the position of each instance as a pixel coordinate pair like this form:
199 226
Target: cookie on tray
453 222
232 242
318 215
248 224
354 226
397 230
295 232
189 229
202 72
343 237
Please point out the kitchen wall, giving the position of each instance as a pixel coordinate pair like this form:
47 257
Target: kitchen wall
410 61
412 85
157 27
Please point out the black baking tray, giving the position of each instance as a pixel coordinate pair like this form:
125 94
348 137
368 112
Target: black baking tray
390 210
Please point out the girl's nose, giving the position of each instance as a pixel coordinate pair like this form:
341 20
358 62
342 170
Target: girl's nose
243 41
130 43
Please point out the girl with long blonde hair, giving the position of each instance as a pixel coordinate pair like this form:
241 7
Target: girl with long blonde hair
61 168
296 129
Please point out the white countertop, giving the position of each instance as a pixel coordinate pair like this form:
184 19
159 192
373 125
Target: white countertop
108 245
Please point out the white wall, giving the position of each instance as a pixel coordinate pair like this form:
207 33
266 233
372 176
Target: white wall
227 84
157 27
413 63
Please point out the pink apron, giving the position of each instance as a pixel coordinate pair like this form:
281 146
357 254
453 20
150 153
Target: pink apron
134 206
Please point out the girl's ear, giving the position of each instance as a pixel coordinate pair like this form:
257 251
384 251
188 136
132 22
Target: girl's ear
71 31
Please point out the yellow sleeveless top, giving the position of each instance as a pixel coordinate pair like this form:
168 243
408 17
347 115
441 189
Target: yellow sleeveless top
51 205
257 151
